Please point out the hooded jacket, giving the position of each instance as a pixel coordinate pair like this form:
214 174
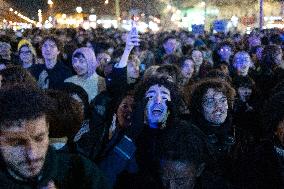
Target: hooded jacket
93 84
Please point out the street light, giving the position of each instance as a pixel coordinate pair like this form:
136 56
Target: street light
50 2
79 10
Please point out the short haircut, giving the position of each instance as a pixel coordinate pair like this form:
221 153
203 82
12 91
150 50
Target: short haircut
20 102
55 40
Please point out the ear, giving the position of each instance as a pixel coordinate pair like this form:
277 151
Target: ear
200 169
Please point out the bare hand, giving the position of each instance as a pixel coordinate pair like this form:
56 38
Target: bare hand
132 40
43 81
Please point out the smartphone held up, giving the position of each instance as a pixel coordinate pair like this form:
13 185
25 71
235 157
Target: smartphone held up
134 30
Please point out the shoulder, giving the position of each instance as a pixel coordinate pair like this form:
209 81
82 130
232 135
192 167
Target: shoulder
71 79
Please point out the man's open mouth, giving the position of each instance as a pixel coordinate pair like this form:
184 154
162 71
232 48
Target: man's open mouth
157 112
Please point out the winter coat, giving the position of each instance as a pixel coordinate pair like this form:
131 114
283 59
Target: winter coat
65 170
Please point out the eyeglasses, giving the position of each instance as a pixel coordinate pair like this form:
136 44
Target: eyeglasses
26 52
212 102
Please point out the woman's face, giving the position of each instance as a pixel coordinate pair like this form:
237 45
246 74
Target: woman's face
26 55
124 112
197 57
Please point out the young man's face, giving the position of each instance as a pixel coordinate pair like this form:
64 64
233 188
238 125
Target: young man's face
215 106
49 50
170 46
157 109
80 65
23 146
132 71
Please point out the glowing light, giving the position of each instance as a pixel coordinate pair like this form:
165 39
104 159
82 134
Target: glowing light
79 10
106 2
169 7
64 16
92 18
11 10
50 2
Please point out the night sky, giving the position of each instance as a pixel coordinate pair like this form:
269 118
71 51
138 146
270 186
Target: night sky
28 7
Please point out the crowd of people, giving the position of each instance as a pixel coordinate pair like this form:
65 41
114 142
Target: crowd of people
106 108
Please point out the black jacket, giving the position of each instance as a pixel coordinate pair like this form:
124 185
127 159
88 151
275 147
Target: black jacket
56 75
65 170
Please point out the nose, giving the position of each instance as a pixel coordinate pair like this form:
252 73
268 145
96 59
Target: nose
159 99
31 152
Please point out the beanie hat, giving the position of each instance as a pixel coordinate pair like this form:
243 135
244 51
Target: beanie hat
25 42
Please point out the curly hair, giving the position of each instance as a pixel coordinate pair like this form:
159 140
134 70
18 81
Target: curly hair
218 74
273 113
20 102
194 99
169 70
14 75
175 93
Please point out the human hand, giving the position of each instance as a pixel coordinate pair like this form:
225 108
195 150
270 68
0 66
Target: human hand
43 81
132 40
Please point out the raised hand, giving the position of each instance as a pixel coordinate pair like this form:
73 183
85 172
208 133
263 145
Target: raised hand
43 81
